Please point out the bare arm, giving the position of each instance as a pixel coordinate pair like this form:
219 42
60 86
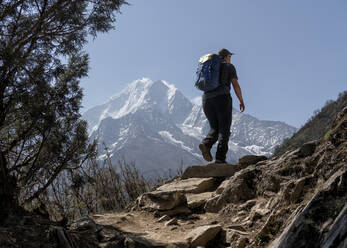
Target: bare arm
238 93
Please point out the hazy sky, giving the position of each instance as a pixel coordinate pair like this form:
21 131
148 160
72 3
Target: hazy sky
291 56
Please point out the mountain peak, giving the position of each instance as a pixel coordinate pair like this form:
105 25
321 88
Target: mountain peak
142 94
146 85
139 84
160 113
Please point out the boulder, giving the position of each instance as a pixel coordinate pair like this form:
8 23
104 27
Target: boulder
197 200
240 188
307 149
175 211
201 235
251 159
222 186
258 213
161 200
270 182
190 185
299 187
212 205
212 170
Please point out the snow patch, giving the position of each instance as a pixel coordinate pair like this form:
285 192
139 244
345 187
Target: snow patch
167 136
123 131
172 89
93 129
257 150
195 132
197 100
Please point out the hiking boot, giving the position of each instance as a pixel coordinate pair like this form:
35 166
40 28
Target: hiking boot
218 161
206 154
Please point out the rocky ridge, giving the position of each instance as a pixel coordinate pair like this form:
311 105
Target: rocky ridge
298 199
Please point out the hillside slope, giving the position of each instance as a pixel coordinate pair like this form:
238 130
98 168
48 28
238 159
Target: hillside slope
316 127
297 200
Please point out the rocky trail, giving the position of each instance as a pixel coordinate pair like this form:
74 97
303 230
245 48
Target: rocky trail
297 200
162 232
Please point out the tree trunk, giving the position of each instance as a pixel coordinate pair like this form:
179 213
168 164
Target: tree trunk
8 191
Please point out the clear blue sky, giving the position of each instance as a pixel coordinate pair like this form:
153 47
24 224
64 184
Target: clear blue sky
291 56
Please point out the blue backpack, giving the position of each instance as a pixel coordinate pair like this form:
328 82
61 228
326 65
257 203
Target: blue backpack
207 74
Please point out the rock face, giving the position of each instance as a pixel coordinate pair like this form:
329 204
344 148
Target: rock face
310 224
337 232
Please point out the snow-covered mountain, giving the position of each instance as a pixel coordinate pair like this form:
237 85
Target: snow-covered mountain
155 125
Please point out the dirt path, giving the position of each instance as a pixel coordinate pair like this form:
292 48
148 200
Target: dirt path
145 225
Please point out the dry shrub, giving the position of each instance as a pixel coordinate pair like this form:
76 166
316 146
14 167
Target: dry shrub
94 188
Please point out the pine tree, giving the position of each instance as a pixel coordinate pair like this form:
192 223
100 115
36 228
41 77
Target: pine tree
41 64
